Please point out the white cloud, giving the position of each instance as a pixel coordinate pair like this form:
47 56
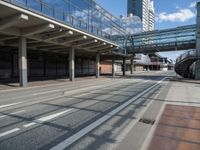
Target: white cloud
193 4
181 15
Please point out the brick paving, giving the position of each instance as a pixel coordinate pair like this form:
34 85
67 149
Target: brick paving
178 129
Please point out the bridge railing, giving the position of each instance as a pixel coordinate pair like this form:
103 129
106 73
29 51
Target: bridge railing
85 15
191 53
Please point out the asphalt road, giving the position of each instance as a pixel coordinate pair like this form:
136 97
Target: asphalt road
86 114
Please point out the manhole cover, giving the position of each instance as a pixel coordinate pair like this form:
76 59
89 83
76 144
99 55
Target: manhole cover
147 121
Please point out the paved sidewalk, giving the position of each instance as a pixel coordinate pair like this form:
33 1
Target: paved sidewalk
179 125
178 129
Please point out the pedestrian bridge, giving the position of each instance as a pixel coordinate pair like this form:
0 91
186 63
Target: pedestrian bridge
180 38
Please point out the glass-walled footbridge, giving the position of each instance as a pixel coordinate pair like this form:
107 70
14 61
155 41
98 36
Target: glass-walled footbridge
180 38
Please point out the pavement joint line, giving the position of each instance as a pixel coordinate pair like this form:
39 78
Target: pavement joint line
47 85
46 118
8 105
37 94
149 136
14 113
61 96
46 92
9 132
66 143
90 88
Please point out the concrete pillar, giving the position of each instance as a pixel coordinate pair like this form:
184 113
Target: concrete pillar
23 81
97 65
197 70
113 67
71 64
198 30
132 66
197 64
124 66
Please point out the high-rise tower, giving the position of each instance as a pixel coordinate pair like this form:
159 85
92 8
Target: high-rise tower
145 10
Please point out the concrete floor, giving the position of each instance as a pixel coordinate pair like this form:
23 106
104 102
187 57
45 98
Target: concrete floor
89 114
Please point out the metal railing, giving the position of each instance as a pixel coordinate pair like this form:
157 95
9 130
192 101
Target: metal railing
191 53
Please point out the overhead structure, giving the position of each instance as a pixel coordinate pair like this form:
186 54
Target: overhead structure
180 38
26 26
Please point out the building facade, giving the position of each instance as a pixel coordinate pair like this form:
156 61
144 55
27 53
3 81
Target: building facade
145 10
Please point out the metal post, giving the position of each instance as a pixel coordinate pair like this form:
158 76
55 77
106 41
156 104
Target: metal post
71 64
124 66
157 63
23 62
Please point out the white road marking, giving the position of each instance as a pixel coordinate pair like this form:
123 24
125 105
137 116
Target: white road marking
60 88
47 118
9 132
18 112
8 105
46 92
64 144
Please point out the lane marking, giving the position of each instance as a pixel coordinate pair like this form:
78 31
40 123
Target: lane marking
9 132
60 88
46 92
47 118
18 112
48 85
8 105
64 144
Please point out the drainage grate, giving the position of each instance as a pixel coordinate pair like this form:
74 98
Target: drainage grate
147 121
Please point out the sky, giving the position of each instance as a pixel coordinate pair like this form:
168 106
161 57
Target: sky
169 14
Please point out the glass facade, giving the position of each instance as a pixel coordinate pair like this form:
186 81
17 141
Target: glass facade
86 15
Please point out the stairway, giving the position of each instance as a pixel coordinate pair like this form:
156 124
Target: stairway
183 63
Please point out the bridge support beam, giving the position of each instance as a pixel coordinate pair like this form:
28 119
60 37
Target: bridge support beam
71 64
23 81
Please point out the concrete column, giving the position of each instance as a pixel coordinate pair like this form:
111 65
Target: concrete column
197 70
97 65
23 81
113 67
198 30
71 64
124 66
197 64
132 66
